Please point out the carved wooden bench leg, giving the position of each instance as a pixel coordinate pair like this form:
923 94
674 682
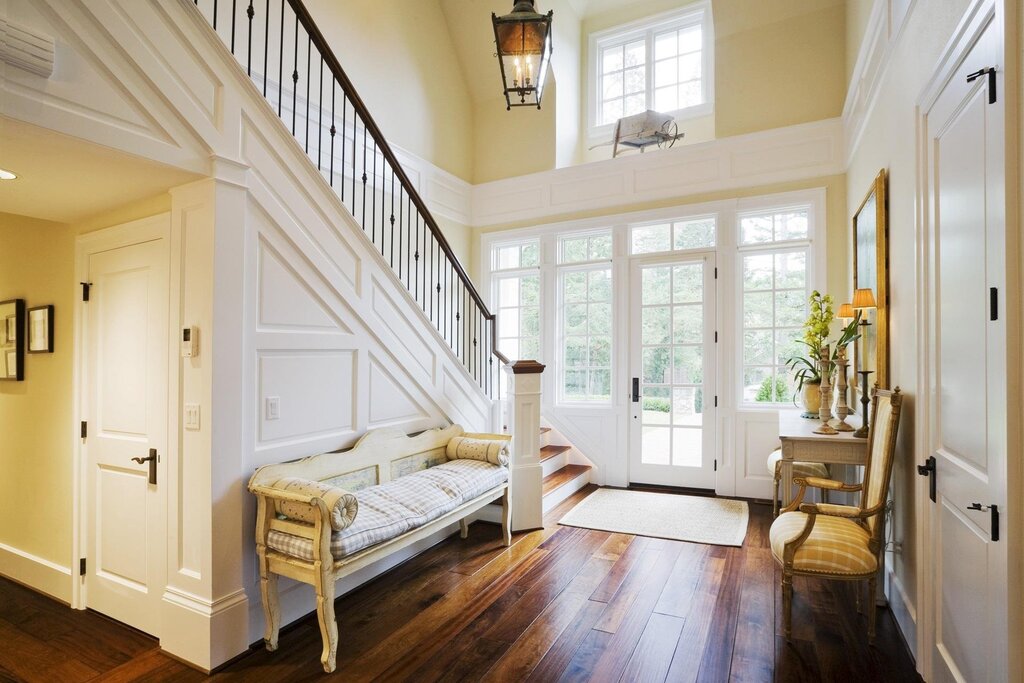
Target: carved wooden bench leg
271 604
506 520
328 622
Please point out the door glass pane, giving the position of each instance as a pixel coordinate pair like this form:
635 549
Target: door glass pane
687 406
687 447
688 324
688 283
656 365
655 327
656 445
657 406
656 285
688 365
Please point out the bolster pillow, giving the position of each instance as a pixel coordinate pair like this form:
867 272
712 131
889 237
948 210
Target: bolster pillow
342 505
494 451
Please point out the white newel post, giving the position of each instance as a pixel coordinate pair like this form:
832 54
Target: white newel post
525 478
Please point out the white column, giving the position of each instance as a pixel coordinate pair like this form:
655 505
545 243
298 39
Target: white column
525 477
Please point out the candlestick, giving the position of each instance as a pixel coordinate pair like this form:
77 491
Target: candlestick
825 412
863 431
842 410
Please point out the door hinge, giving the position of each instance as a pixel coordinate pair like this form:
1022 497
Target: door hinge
716 464
85 429
716 273
716 336
716 401
85 290
81 567
991 73
993 303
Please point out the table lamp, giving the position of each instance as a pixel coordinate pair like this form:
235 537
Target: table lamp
863 300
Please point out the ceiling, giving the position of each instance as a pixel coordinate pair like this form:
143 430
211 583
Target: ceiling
68 180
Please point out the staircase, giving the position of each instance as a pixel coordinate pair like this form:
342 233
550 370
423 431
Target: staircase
564 470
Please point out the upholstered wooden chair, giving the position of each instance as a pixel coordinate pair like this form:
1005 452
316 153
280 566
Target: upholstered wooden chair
840 541
801 470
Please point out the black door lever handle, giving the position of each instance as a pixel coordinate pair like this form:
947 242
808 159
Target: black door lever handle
151 459
928 469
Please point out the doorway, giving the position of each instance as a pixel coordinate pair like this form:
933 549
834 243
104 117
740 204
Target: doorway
672 371
124 345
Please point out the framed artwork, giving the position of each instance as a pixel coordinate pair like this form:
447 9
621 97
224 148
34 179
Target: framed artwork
871 271
40 329
12 347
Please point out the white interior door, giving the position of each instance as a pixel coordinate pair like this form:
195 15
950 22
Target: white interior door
673 371
965 139
126 370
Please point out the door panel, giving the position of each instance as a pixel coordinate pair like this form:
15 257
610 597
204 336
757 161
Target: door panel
126 407
966 178
672 346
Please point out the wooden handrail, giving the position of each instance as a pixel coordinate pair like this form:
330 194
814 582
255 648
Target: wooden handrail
360 107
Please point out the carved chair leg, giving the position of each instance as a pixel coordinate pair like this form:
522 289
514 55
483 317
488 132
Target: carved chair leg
327 620
872 610
506 520
775 499
463 528
271 604
787 604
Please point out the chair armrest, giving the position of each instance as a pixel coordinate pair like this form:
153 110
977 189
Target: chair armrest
827 484
847 511
280 494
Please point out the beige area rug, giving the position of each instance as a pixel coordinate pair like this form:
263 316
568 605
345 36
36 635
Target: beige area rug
662 515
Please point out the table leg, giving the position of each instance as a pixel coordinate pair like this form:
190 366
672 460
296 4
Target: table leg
786 484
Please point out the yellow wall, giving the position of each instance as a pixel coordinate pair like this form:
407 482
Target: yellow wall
888 142
777 63
37 260
402 62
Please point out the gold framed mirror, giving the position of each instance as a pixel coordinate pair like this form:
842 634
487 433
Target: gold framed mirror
871 271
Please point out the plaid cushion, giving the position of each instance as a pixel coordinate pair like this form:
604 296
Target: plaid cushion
392 508
835 546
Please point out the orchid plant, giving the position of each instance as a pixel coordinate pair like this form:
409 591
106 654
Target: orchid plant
817 328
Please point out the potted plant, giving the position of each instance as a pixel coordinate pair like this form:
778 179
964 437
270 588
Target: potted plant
816 331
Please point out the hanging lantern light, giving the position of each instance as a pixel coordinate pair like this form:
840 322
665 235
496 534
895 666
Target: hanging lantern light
523 40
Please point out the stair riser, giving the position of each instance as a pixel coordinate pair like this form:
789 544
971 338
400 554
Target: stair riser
565 490
554 464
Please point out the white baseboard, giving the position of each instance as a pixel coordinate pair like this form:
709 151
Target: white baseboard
35 572
201 632
902 609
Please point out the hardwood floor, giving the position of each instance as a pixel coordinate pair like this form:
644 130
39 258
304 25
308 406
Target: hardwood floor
562 604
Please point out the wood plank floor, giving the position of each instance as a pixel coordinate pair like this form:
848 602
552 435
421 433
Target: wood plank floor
562 604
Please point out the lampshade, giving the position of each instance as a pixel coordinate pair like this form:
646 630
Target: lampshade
845 312
863 298
523 42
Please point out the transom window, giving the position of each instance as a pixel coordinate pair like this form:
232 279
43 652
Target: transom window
662 63
774 257
595 246
689 233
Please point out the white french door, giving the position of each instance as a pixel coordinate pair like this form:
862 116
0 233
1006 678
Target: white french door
126 406
672 371
966 344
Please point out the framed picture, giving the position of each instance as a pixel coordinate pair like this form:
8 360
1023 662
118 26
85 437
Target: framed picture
871 271
40 329
12 349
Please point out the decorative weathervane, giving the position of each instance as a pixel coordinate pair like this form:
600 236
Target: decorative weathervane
523 42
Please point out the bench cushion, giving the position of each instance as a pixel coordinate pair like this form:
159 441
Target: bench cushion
342 504
390 509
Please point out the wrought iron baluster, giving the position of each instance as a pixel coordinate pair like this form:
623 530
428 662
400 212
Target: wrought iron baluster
344 134
295 75
266 46
250 12
373 200
214 13
320 121
363 222
234 13
392 244
309 66
333 132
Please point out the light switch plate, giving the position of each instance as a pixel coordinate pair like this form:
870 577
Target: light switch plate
192 416
273 411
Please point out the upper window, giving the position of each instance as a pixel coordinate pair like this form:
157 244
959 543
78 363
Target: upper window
662 63
691 233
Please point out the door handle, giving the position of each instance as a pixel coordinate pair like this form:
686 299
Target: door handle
928 470
636 390
994 511
151 459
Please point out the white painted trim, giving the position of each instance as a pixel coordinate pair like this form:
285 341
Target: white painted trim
902 610
884 28
26 48
801 152
36 572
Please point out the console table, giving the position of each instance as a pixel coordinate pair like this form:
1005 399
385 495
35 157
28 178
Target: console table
800 443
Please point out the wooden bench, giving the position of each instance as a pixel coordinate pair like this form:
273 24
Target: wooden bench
380 456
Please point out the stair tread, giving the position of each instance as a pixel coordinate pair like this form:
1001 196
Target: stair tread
545 430
563 476
548 452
